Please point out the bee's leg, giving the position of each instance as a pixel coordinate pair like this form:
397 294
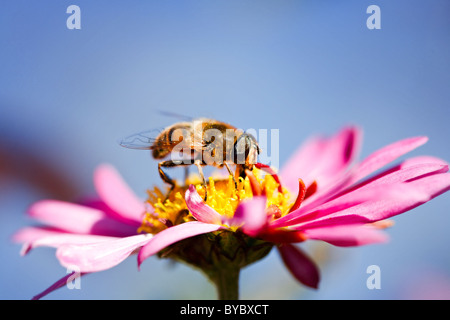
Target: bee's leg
231 174
240 172
200 171
164 176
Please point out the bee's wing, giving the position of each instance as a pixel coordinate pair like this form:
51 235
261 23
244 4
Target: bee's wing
142 141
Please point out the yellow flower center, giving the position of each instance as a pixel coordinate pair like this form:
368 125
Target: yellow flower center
222 196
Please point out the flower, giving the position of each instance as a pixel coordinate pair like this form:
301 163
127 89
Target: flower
322 193
341 205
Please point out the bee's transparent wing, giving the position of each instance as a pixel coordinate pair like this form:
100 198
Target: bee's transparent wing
142 141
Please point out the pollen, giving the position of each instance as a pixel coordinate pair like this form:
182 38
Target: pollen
223 195
166 212
274 197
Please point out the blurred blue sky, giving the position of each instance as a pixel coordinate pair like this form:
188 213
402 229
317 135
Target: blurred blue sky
303 67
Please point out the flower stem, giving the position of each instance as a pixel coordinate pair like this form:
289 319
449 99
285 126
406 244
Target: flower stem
227 283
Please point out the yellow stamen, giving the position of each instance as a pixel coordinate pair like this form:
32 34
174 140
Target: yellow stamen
223 196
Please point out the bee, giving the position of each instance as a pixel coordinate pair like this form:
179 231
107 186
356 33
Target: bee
200 142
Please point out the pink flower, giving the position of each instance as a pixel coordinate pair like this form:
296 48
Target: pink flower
325 195
341 205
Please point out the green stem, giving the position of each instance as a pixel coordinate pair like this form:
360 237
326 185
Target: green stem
227 283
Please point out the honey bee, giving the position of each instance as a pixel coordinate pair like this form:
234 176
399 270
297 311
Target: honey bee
200 142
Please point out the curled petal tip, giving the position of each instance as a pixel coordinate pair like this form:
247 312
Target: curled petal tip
26 247
199 209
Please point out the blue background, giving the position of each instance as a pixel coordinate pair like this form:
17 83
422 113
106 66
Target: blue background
304 67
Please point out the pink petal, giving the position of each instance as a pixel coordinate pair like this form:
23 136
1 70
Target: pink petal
422 160
300 265
29 234
322 159
113 190
174 234
100 256
251 214
387 185
342 184
199 209
344 202
422 190
407 170
99 204
58 284
78 219
33 237
348 235
377 160
433 185
57 241
387 154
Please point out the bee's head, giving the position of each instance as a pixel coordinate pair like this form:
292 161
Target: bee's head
246 150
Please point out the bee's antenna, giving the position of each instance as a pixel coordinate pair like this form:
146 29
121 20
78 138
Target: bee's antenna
175 115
